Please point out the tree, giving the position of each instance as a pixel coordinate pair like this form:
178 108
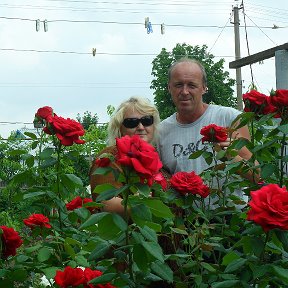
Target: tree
219 83
87 120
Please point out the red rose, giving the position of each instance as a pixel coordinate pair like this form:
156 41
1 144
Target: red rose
269 207
10 241
137 153
70 277
280 98
258 103
37 220
102 162
159 178
45 112
90 274
67 130
214 133
189 183
78 203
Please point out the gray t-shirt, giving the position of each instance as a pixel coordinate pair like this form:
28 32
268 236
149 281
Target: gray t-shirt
176 142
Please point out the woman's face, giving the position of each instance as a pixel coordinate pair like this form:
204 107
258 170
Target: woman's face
145 132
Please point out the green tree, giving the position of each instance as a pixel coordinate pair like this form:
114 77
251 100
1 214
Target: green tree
219 83
87 119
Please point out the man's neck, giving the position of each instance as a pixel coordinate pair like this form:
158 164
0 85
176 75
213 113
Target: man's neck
187 118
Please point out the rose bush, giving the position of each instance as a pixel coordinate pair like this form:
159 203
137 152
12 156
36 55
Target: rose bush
235 237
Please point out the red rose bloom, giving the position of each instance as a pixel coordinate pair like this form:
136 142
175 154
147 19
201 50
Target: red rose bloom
90 274
10 241
45 113
37 220
159 178
214 133
258 103
67 130
189 183
137 153
280 98
70 277
78 203
269 207
102 162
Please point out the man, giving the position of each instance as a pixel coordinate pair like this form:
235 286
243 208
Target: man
179 134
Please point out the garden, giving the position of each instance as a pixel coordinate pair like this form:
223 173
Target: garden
217 229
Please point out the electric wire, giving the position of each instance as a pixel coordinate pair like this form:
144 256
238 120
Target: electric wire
247 42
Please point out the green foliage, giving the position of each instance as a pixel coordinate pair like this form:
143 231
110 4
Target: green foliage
220 85
87 119
183 241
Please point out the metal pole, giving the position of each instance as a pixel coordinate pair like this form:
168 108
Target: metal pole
281 66
238 56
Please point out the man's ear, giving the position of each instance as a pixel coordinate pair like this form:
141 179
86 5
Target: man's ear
168 87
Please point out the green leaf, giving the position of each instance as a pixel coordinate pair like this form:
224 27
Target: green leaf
140 257
104 278
154 249
162 270
99 251
228 258
225 284
71 181
16 152
81 261
140 211
148 233
93 219
158 208
267 170
281 273
102 188
33 194
179 231
19 275
82 212
102 170
50 272
208 267
43 254
142 189
48 163
119 221
196 154
283 237
69 249
234 265
31 135
107 195
283 128
107 229
46 153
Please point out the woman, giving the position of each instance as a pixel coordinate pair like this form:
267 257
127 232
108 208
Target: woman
136 116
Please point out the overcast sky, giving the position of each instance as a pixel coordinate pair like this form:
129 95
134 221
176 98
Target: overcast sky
57 68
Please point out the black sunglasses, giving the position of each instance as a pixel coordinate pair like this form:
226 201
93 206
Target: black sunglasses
134 122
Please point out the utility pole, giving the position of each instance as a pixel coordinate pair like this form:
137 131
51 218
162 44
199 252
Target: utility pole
237 57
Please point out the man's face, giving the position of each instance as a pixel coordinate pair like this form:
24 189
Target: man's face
186 87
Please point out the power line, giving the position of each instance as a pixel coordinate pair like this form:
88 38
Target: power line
133 23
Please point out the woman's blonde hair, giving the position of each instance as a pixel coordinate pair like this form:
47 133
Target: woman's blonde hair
139 104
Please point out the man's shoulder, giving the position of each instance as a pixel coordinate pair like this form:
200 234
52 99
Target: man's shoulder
222 111
169 120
